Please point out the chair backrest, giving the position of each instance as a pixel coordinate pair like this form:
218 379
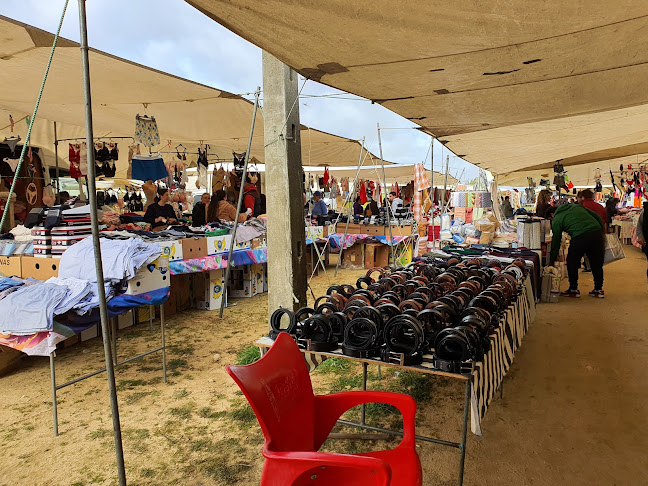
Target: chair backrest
279 390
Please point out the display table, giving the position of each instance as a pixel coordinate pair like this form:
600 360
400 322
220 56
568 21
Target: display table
627 227
219 261
482 379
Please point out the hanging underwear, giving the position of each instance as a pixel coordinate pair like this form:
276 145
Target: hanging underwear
12 142
149 167
13 163
146 131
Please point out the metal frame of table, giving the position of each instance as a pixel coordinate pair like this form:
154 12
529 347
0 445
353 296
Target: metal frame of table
116 362
265 343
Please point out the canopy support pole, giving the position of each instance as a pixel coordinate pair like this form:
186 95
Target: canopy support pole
57 185
230 264
288 279
432 192
103 309
382 163
352 199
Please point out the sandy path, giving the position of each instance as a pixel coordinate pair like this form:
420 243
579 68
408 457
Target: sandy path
572 413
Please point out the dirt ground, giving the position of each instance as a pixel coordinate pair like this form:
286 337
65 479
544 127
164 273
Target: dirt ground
573 411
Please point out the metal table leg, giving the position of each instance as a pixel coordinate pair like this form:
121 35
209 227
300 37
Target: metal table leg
464 433
364 387
54 404
164 371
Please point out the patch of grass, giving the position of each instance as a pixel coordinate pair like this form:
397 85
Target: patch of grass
181 349
177 363
183 412
248 355
129 384
244 416
181 393
147 472
99 434
136 434
218 469
208 412
345 383
135 397
417 385
335 365
227 336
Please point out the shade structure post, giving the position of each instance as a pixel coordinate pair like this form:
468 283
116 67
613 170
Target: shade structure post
287 284
382 163
230 263
103 308
352 199
432 192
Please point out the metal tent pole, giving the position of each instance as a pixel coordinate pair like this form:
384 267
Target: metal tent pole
240 201
355 191
103 309
382 161
432 191
56 143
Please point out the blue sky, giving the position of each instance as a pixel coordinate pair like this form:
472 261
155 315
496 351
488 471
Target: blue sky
172 36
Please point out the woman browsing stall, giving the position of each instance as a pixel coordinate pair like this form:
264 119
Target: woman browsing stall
223 210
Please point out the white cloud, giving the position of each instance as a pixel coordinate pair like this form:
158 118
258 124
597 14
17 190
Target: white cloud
172 36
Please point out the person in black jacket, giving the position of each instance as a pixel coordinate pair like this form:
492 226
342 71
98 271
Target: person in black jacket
160 213
199 215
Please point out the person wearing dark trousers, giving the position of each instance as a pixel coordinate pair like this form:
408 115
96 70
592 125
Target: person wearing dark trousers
642 230
585 228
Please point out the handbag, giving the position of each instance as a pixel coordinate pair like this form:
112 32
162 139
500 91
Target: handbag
613 249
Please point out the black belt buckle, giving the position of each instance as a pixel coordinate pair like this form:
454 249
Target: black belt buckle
358 353
447 365
401 359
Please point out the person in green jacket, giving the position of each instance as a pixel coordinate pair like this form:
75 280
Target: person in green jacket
586 230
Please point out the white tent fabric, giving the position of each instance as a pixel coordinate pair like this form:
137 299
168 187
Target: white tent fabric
186 112
508 84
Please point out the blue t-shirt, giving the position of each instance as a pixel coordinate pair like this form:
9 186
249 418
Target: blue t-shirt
320 208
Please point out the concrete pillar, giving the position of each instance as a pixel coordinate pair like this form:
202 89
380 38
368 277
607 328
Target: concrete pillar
284 187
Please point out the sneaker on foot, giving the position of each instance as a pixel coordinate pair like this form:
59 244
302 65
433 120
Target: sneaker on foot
571 293
599 294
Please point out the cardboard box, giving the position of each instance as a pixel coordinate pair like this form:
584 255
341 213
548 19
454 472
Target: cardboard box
71 341
376 255
218 244
9 359
354 229
352 256
258 243
150 277
249 281
193 248
374 230
90 333
486 238
39 268
265 278
405 230
181 286
209 290
124 320
11 266
172 250
143 314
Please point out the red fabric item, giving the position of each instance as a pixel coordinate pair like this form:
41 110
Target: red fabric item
372 188
396 189
279 389
363 193
248 198
596 207
326 175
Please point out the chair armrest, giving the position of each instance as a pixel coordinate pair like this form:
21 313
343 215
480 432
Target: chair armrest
329 408
286 467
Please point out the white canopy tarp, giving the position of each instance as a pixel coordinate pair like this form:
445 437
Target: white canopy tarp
186 112
508 84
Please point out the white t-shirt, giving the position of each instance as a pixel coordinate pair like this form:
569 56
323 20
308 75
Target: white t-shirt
396 203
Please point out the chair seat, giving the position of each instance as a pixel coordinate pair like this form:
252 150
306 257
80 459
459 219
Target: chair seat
404 463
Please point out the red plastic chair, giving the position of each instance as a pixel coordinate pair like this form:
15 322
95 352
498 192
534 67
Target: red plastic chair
295 424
